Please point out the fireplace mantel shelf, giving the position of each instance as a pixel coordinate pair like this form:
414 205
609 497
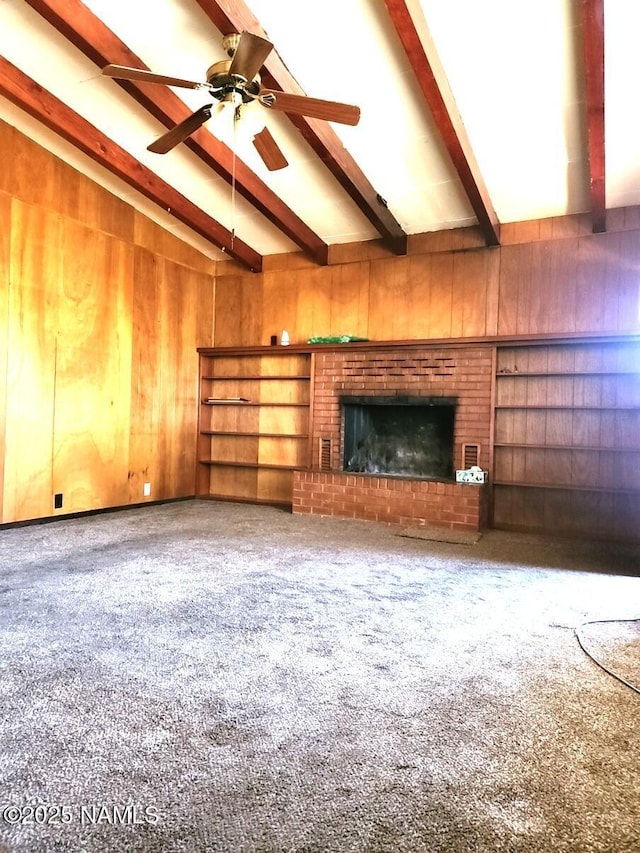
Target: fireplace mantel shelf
502 340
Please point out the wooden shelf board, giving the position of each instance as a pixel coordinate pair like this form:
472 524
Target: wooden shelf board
566 447
503 341
255 404
258 378
221 463
236 434
213 496
571 533
524 407
566 487
555 374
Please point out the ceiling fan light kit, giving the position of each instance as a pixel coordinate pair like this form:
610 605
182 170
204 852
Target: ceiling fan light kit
237 81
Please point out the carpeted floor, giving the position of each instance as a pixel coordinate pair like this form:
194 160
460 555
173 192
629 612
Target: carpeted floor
219 677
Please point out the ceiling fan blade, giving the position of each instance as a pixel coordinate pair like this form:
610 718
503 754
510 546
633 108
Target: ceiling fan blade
249 56
310 107
181 131
121 72
268 149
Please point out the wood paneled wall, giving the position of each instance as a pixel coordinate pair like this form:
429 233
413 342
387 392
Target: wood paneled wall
424 296
101 312
544 281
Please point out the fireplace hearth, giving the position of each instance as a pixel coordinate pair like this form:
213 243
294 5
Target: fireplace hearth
399 436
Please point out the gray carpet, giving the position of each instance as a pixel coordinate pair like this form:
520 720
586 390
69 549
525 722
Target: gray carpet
218 677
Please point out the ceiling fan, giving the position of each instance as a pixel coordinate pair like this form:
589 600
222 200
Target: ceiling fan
236 81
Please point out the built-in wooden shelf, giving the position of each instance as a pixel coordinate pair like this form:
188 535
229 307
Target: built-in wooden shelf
274 430
541 392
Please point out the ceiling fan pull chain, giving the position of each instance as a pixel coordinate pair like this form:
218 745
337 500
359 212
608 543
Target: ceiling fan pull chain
236 116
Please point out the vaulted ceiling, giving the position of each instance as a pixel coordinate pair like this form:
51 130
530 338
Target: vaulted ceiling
472 114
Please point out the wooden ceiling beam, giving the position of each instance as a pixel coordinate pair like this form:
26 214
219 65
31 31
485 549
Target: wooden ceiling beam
235 16
593 47
433 83
57 116
98 43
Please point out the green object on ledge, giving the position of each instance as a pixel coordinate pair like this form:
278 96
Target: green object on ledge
334 339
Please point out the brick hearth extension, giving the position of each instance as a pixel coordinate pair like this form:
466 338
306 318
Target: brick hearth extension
458 371
392 500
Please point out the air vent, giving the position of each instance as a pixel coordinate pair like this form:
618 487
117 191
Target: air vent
470 455
325 454
389 365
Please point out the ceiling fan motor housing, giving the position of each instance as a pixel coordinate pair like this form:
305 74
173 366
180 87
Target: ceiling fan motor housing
222 83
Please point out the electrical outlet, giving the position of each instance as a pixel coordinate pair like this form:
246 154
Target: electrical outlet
57 501
146 490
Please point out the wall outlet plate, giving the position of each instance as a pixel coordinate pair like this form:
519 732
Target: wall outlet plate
146 490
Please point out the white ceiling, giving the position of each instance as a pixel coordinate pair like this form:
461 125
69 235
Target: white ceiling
515 70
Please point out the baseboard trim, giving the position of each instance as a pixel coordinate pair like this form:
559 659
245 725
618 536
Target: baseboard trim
48 519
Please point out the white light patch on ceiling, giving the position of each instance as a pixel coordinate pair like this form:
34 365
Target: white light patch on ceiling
519 96
622 116
363 63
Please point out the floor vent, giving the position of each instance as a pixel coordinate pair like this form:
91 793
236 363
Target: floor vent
325 454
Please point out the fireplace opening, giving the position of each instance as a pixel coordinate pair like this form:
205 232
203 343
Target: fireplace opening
399 436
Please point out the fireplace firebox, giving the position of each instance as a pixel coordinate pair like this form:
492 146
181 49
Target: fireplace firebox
399 436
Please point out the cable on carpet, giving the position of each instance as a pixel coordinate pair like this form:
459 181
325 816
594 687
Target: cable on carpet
589 654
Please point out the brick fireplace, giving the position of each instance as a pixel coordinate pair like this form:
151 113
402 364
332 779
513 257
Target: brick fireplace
461 376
